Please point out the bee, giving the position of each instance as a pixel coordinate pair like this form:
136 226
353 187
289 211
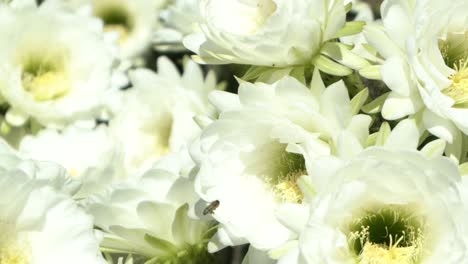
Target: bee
211 207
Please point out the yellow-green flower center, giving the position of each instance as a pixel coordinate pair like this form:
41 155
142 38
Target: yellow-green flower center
458 90
162 130
157 133
116 18
14 254
455 52
286 169
13 250
45 78
389 235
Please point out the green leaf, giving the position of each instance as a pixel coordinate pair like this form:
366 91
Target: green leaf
108 257
371 72
463 168
160 244
342 54
376 105
274 74
383 134
329 66
298 74
181 225
371 139
152 261
359 100
129 259
348 7
254 72
434 148
350 28
5 128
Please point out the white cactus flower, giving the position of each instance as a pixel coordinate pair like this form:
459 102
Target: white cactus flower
157 113
253 157
425 52
44 74
148 217
388 206
178 20
132 22
271 33
89 155
39 222
404 137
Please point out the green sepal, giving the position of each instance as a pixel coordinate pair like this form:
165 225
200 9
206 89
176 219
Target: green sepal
350 28
463 168
348 7
380 137
254 72
359 100
327 65
371 72
343 54
161 244
376 105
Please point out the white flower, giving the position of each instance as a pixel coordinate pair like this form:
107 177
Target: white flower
44 73
252 158
177 21
131 21
362 10
19 3
157 115
387 206
425 48
405 136
148 217
87 154
265 32
39 222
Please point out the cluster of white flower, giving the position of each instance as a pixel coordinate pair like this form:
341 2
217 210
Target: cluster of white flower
341 138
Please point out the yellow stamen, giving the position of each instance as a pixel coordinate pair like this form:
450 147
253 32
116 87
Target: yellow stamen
459 88
389 235
47 86
287 168
288 190
377 254
15 254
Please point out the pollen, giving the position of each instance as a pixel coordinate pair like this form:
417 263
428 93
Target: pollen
288 190
47 86
458 90
14 252
14 256
390 235
377 254
288 167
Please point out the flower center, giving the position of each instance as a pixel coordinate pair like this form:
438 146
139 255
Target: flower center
240 17
157 133
389 235
287 167
12 250
162 131
455 53
116 19
45 78
14 254
458 90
